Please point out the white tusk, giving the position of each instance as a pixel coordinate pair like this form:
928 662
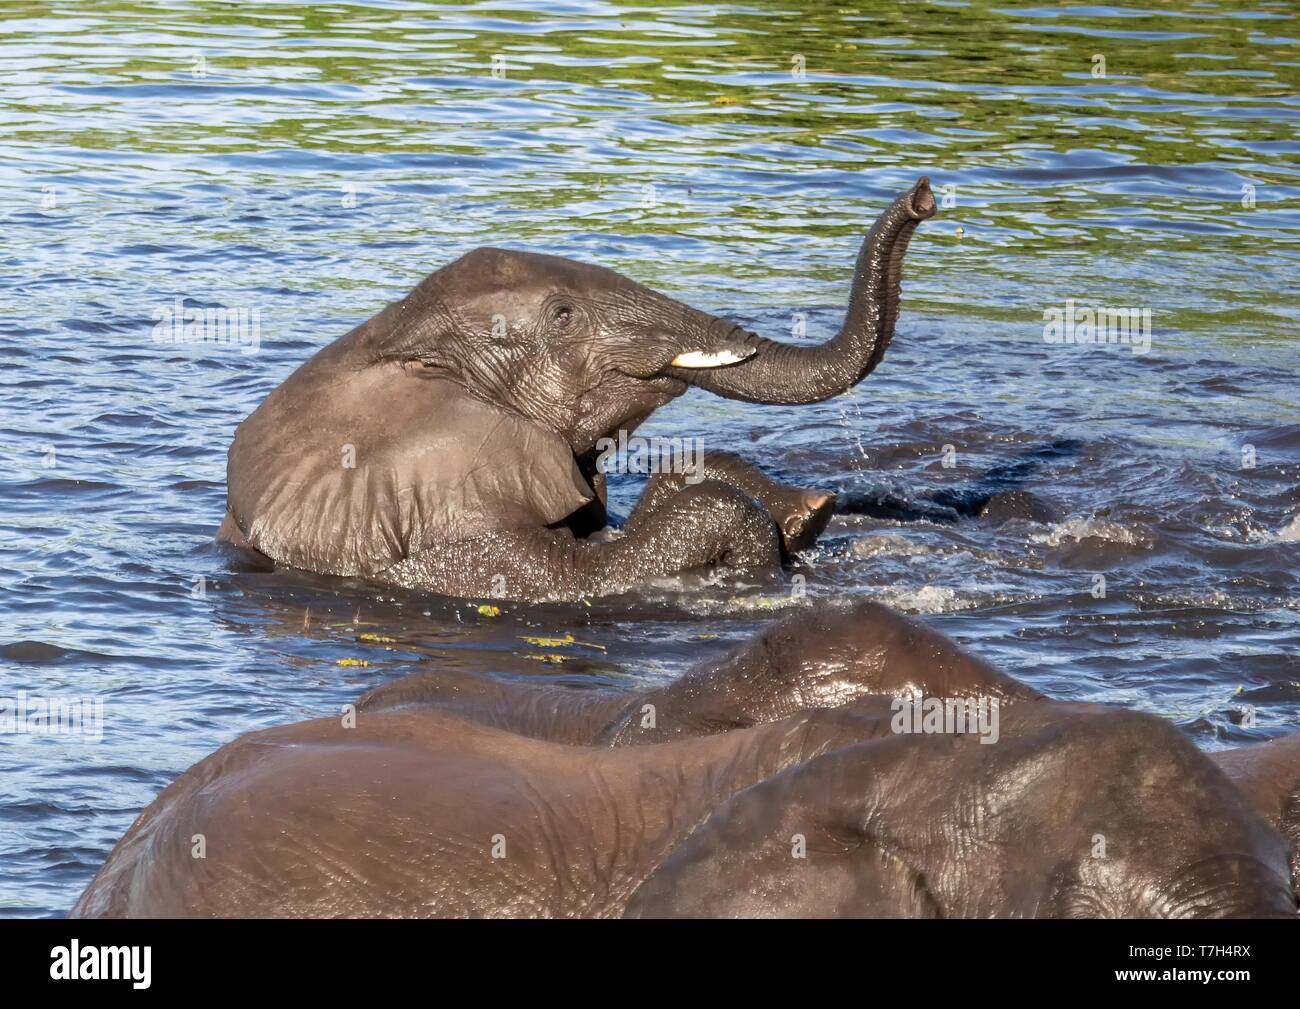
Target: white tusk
709 359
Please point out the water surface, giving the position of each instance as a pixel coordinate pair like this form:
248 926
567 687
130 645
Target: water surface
312 162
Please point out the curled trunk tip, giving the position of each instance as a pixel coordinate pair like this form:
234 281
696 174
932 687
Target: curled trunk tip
921 200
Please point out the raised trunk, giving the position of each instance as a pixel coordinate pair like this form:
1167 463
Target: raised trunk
789 373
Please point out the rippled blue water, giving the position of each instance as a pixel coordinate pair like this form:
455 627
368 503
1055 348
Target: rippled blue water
313 162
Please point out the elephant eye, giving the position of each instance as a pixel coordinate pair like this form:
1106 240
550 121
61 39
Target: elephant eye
562 316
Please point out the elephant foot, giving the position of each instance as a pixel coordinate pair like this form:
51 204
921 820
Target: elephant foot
800 513
802 517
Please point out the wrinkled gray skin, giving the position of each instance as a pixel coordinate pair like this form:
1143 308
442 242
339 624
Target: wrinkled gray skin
450 443
789 736
1268 774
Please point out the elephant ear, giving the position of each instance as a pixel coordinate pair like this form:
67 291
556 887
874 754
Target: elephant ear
800 844
347 468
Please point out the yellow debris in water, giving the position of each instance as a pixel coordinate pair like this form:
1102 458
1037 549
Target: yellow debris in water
548 642
547 657
354 662
488 610
563 642
381 638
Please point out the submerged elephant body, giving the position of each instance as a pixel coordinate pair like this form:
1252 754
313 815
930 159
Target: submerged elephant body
773 781
450 443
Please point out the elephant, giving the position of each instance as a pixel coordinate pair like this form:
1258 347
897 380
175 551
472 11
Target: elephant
454 442
776 780
1268 774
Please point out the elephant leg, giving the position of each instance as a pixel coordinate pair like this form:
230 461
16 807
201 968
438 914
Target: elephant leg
800 514
705 525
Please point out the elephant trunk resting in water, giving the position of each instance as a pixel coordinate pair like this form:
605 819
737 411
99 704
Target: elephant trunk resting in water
772 781
450 442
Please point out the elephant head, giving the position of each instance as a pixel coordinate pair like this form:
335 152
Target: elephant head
460 409
1077 810
584 351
